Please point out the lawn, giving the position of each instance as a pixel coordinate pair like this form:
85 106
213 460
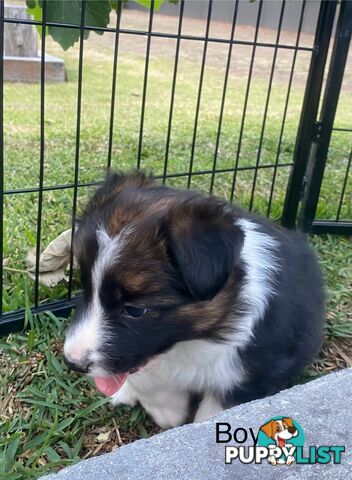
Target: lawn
49 417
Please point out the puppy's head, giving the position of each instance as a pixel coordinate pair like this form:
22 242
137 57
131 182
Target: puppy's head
280 430
158 267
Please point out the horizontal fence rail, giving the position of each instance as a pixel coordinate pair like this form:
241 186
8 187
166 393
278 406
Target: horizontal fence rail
227 108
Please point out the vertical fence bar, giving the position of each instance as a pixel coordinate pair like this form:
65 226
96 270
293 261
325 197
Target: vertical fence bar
234 179
145 84
1 151
309 111
173 88
224 89
289 86
344 187
78 136
113 86
42 154
328 110
200 87
278 34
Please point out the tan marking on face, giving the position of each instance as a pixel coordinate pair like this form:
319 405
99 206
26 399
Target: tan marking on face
208 314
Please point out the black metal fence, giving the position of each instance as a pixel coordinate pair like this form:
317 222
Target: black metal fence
239 117
311 166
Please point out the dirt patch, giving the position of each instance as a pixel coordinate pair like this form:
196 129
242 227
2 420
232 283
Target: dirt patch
217 53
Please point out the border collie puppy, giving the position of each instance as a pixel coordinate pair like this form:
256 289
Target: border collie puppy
190 305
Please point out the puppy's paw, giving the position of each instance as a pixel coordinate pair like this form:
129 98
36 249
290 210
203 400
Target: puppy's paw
124 396
272 460
166 417
290 460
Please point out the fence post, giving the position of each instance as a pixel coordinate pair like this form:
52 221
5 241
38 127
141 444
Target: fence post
327 117
309 112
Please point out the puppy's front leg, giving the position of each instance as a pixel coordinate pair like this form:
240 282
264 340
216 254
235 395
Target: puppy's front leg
168 408
125 396
208 407
166 404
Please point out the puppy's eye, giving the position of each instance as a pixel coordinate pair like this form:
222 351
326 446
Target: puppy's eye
135 312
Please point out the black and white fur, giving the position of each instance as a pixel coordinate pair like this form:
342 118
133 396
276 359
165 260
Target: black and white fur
267 275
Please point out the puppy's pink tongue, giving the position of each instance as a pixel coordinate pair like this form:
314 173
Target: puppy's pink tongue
110 385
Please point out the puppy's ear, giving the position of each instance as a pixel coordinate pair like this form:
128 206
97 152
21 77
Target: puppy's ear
203 243
269 428
113 185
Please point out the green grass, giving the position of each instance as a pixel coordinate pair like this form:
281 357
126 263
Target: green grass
48 414
337 268
49 417
52 417
22 135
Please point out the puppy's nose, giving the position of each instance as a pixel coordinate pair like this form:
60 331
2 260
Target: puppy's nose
292 430
82 366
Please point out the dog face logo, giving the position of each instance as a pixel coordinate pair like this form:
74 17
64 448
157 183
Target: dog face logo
280 430
283 434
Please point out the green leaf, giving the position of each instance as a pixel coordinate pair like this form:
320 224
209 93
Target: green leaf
13 446
55 363
143 431
31 340
148 3
93 406
43 404
11 476
34 391
65 448
10 452
52 455
34 8
64 424
135 415
38 440
97 14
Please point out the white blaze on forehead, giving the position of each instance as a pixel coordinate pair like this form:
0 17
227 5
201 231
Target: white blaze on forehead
108 252
86 336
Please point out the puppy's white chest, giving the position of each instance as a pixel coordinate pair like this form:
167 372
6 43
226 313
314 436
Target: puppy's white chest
167 404
201 366
163 387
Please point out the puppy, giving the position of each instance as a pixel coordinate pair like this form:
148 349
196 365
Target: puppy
280 431
190 305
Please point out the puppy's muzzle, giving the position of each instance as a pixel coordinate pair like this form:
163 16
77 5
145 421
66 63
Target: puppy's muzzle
81 367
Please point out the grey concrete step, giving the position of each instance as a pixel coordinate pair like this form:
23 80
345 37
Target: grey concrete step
321 407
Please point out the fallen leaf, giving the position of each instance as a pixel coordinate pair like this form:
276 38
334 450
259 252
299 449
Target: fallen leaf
104 437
